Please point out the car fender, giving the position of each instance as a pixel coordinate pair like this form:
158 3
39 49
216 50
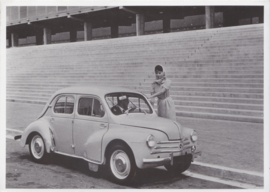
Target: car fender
42 127
93 146
134 137
186 133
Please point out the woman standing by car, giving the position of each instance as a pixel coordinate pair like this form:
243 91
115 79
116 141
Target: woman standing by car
161 88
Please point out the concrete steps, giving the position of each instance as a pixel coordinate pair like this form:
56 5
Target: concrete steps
226 117
146 92
98 71
69 80
216 73
196 59
175 84
180 57
219 100
202 98
149 76
169 68
152 48
199 51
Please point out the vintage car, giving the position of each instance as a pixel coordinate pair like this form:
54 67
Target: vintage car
112 128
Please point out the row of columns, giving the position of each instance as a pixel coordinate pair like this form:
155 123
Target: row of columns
87 31
44 37
209 17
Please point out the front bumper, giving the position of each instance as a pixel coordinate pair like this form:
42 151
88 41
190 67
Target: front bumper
168 160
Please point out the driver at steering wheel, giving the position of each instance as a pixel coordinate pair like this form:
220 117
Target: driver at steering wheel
122 105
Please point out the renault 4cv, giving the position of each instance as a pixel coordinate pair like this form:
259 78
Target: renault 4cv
112 128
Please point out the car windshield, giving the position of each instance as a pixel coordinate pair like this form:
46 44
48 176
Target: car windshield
125 103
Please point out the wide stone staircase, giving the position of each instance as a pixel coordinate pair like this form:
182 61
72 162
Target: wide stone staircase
216 73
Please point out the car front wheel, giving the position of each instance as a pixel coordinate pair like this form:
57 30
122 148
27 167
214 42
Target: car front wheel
120 165
37 149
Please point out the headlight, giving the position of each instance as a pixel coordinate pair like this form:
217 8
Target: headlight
193 136
151 142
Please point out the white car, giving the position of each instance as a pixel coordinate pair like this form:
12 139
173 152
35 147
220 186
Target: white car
109 127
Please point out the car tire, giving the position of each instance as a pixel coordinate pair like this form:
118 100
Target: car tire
120 165
37 149
179 168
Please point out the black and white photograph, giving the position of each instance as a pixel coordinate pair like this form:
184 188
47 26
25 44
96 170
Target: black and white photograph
134 95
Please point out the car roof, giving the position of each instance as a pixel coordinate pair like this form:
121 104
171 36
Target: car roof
96 90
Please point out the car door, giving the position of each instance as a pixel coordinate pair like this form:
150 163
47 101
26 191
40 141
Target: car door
90 124
62 123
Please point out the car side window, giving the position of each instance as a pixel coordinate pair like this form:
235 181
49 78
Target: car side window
64 104
85 106
90 107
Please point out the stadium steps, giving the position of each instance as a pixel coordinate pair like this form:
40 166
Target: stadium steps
216 73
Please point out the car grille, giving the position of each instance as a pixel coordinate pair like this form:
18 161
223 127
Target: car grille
171 146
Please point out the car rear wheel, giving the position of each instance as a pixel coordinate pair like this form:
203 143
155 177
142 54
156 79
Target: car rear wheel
120 165
37 149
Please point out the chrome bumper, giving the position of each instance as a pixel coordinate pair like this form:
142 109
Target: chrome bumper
167 160
158 161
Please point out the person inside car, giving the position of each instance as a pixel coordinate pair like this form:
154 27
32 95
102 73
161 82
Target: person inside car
122 105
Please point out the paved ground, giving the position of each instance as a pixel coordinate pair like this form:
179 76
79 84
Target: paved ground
231 144
70 173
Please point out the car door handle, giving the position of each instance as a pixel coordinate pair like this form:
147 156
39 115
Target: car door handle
102 125
52 120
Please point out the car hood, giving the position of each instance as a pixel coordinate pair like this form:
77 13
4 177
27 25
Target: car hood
167 126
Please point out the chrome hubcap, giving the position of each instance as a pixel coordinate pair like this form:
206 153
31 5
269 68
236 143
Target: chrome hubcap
37 147
120 164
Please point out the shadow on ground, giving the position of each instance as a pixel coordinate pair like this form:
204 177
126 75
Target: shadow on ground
146 177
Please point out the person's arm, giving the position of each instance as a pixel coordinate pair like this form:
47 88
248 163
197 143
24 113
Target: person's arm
159 81
158 93
166 85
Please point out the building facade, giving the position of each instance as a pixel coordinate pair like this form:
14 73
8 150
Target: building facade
41 25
